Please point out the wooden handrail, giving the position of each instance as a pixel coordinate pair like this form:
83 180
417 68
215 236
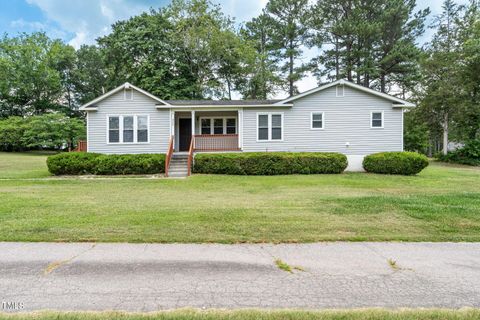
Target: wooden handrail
168 157
190 155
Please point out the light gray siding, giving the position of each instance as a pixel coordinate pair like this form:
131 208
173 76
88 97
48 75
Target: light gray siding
346 119
140 105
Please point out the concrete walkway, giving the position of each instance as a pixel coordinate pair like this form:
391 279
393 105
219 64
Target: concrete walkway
146 277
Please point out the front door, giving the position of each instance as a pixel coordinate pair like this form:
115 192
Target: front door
185 133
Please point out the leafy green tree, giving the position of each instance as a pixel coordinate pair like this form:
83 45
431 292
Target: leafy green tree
441 95
35 73
289 19
11 133
52 131
89 77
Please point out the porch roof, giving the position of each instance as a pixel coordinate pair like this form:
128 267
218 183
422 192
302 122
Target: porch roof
220 103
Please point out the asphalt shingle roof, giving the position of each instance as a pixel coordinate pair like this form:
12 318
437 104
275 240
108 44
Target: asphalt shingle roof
220 102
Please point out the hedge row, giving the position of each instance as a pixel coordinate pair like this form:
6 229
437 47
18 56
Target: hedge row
469 154
78 163
404 163
269 163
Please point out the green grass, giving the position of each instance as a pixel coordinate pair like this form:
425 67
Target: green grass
362 314
440 204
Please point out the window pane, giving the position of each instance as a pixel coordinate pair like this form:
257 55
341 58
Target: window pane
276 120
128 123
262 133
142 135
205 123
113 123
377 116
376 123
317 117
113 136
317 124
127 135
263 121
142 122
231 126
276 133
217 126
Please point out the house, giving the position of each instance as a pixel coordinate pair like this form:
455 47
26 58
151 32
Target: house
337 117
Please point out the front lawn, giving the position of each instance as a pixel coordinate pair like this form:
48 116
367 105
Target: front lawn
440 204
365 314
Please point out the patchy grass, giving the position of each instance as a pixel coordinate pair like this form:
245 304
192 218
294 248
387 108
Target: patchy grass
283 266
440 204
362 314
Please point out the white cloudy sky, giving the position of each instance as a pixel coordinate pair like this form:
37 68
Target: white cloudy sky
82 21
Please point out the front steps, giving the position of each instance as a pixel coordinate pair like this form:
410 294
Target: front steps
178 166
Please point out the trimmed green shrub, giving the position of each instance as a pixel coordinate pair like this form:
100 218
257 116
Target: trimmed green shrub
77 163
269 163
72 163
130 164
468 154
404 163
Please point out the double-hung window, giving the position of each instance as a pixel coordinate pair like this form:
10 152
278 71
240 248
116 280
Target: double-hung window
128 129
376 119
317 120
218 125
269 126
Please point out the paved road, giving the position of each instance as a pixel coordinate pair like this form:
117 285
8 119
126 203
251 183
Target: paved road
145 277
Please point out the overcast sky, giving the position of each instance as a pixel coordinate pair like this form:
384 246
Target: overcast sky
82 21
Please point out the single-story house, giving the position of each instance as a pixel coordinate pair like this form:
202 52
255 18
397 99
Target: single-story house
337 117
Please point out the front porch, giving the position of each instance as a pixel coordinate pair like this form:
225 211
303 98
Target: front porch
205 131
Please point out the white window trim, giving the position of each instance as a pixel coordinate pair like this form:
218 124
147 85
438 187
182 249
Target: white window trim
224 124
311 120
371 119
343 90
270 114
135 128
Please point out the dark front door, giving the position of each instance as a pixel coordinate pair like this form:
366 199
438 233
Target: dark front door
185 134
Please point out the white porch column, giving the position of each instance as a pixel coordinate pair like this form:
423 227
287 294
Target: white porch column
172 128
240 128
193 122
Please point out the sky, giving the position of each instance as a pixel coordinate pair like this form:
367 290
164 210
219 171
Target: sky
80 22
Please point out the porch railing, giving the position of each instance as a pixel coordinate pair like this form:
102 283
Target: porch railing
190 156
169 155
216 142
81 146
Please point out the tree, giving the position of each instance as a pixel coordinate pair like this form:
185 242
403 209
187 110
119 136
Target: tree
370 42
262 78
289 19
52 131
440 69
89 76
35 74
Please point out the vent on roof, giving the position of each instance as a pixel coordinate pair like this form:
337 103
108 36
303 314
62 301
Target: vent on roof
340 90
128 94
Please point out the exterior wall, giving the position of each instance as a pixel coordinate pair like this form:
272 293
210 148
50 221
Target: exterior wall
346 120
140 105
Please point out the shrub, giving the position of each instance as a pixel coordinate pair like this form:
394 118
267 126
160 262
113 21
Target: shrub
130 164
77 163
72 163
468 154
405 163
269 163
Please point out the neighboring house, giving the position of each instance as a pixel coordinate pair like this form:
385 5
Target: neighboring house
337 117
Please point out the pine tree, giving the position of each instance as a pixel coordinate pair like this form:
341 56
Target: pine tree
290 32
